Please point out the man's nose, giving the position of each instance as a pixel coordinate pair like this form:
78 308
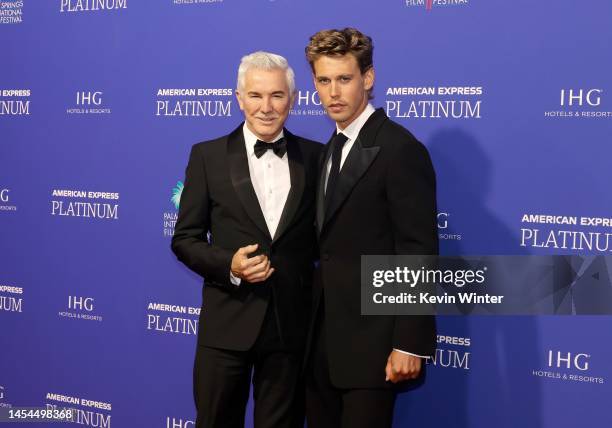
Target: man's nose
334 90
266 105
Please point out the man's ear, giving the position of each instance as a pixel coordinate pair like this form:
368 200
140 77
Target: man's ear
368 78
239 98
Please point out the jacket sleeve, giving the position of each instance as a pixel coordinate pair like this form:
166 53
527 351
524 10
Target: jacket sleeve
411 192
190 243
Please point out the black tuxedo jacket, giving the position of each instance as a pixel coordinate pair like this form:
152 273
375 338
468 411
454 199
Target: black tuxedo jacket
219 213
384 203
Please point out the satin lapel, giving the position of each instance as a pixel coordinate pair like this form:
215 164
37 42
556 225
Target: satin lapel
321 184
355 165
362 154
296 173
241 179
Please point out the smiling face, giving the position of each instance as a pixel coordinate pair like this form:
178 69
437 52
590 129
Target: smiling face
342 87
265 100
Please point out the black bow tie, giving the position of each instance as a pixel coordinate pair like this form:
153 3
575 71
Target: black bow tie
279 147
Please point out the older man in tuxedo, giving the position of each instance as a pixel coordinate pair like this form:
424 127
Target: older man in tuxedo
246 225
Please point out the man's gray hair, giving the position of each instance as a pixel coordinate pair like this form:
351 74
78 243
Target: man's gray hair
265 61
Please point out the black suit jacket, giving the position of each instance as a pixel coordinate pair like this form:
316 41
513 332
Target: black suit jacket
218 199
384 203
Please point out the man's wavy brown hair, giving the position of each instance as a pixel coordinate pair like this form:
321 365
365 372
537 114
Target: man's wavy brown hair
340 43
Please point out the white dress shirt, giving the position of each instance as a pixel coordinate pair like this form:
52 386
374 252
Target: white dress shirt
270 178
271 182
351 132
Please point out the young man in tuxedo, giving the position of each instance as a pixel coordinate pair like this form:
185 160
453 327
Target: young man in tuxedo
245 225
376 195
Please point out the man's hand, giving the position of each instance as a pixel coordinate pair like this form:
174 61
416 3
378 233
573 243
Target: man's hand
402 367
251 269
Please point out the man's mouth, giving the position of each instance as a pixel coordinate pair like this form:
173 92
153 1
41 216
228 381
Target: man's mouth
267 119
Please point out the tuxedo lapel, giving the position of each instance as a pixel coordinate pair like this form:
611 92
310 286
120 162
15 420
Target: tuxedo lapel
355 165
359 159
321 184
296 173
241 179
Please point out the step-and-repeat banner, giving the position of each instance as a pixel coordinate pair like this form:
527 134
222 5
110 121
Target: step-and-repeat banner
101 100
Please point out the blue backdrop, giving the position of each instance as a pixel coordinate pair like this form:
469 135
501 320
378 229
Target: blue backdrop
101 100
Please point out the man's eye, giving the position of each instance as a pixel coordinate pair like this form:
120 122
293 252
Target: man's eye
324 81
345 79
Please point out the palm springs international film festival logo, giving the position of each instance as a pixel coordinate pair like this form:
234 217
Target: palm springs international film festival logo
431 4
170 217
11 12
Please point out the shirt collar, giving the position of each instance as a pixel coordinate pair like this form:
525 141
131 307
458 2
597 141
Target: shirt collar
250 139
352 131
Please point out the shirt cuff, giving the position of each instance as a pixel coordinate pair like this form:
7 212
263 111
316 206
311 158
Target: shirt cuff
234 279
410 353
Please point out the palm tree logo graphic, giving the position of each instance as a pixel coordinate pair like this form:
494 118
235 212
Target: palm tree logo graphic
177 191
